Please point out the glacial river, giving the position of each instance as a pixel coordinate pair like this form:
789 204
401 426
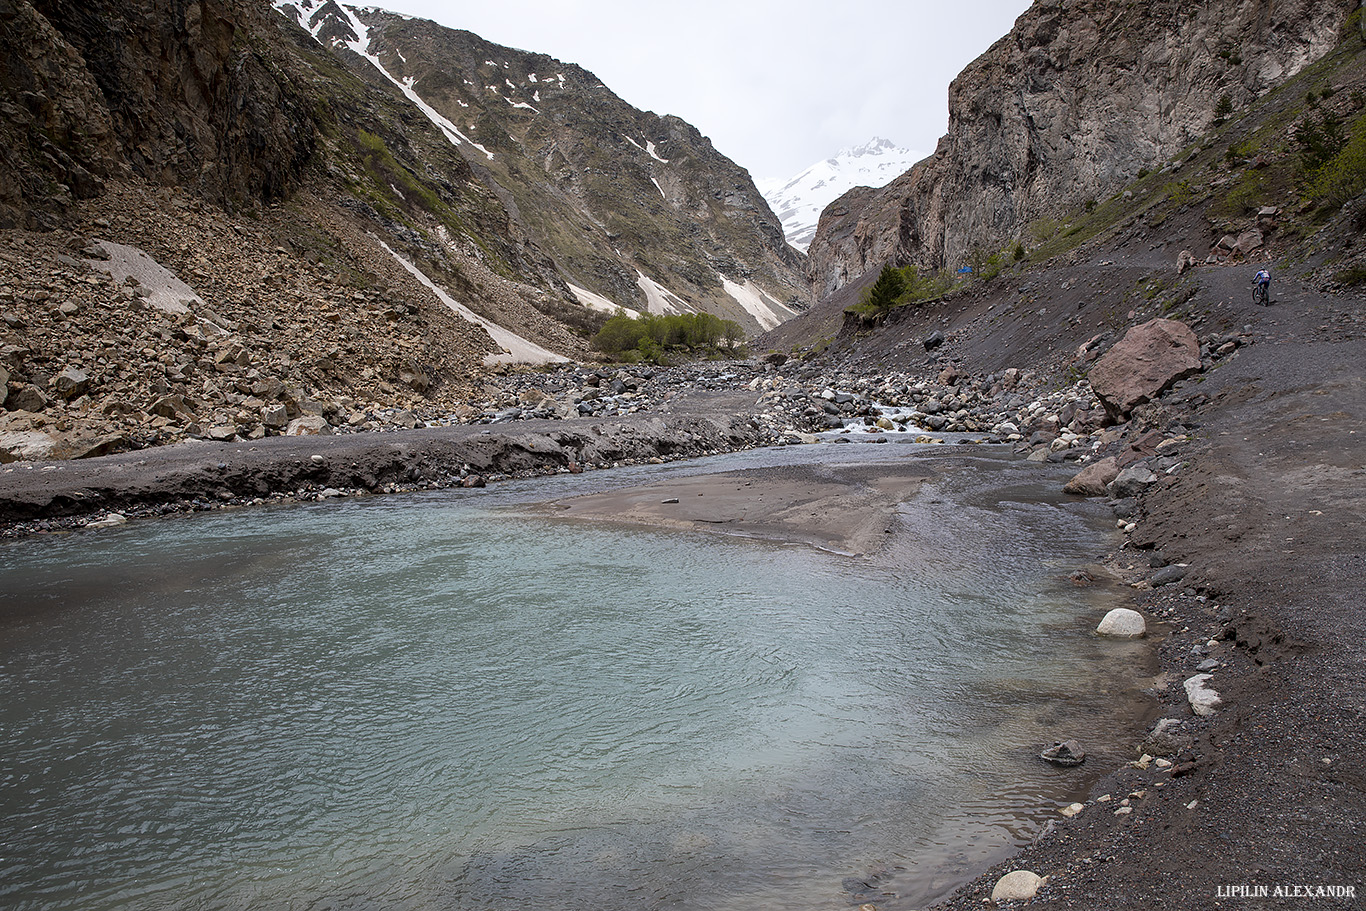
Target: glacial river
445 701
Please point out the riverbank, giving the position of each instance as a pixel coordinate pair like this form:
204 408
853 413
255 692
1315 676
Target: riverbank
1265 526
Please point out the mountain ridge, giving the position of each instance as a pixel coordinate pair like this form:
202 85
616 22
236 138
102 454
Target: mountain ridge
536 129
800 199
342 262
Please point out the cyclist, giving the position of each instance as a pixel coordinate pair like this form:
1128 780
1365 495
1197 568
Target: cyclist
1261 292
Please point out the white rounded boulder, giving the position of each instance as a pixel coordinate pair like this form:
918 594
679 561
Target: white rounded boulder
1018 885
1123 623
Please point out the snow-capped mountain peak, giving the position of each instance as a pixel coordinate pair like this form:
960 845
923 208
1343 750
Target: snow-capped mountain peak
798 201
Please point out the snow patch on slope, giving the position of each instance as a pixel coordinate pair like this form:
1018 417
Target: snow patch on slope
660 301
799 201
598 302
361 45
758 303
163 288
516 350
648 149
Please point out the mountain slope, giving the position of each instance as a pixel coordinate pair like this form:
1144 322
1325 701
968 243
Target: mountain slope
632 207
216 224
799 200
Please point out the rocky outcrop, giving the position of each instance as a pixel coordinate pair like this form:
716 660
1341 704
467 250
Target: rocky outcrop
1144 364
1079 97
169 90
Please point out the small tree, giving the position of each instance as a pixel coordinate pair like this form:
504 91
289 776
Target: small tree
890 285
1223 108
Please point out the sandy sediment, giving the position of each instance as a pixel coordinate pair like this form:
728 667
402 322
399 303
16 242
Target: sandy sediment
847 509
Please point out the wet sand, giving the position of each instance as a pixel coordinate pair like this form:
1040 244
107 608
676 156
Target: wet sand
846 509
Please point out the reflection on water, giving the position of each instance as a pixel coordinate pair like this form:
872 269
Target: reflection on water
439 702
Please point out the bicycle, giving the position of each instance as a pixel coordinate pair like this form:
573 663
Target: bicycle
1261 295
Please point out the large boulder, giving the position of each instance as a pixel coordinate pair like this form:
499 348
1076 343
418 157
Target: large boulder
1122 623
1131 482
1017 886
1143 365
26 446
308 425
71 382
1092 480
27 397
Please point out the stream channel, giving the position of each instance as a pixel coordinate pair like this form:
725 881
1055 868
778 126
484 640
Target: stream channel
447 700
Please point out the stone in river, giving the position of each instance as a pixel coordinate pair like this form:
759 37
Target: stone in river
1064 753
1092 480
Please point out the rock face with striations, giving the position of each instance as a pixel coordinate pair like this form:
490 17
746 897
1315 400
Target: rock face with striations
166 92
1073 102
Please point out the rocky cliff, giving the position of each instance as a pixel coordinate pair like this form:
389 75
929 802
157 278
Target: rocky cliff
1078 99
169 91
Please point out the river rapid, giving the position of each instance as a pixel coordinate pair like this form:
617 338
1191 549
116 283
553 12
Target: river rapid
448 701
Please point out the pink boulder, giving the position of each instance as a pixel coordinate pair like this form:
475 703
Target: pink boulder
1143 365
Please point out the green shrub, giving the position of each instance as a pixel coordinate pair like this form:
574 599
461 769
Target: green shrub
1343 176
1353 275
661 338
1319 140
898 287
1179 193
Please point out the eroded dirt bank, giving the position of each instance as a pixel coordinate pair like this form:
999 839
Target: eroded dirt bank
37 497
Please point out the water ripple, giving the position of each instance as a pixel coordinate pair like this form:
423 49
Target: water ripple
444 706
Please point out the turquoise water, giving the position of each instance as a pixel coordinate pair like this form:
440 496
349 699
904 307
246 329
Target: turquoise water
444 702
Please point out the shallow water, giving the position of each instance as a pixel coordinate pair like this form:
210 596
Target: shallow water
440 701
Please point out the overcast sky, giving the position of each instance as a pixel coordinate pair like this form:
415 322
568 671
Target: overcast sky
776 86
